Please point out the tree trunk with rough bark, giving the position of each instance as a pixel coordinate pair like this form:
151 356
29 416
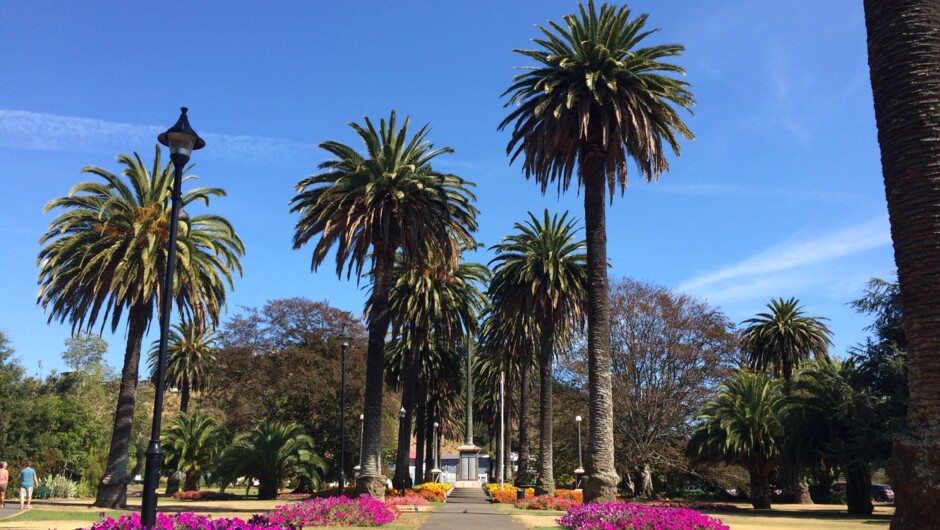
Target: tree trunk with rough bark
801 492
184 395
420 433
858 489
522 469
371 482
402 478
904 60
760 489
112 488
601 476
545 485
648 492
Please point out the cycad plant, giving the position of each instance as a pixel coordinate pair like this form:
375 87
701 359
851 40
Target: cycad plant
370 206
593 100
742 426
272 452
193 442
106 253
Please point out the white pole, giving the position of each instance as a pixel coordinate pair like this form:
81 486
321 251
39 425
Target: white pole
502 432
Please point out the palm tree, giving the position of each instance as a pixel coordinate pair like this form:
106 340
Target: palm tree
903 60
829 415
370 207
595 100
190 357
784 337
741 426
193 442
434 303
106 253
539 271
271 452
515 333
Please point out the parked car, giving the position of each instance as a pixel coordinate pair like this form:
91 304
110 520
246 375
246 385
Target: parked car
882 493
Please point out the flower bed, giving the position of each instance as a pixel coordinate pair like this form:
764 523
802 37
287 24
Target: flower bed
507 494
293 496
406 500
186 521
348 491
635 516
546 502
574 495
195 495
335 511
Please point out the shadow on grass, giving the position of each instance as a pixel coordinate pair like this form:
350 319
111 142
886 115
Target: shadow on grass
826 515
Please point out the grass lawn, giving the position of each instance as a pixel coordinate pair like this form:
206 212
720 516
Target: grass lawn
783 517
70 514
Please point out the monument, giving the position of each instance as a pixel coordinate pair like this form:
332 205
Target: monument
468 472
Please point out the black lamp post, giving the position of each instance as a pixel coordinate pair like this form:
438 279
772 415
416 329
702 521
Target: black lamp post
580 471
182 141
344 340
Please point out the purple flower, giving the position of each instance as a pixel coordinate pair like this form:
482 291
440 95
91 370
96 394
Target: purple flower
625 516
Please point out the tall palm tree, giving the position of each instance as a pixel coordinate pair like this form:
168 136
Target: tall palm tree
539 271
371 206
514 335
742 426
106 252
193 442
784 337
191 351
433 303
271 452
903 61
594 100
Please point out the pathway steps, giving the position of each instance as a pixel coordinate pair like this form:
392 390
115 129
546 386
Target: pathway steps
469 509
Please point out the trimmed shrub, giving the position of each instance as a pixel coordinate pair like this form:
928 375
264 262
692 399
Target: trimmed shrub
196 495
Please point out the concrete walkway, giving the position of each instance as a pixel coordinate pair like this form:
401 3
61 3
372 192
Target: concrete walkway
469 509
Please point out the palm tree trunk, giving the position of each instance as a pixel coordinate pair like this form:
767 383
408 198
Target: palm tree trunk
858 489
904 58
112 489
507 440
184 395
760 489
420 424
429 449
545 485
601 476
402 478
192 480
522 470
370 481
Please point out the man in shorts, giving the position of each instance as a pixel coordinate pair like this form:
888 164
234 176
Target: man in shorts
28 480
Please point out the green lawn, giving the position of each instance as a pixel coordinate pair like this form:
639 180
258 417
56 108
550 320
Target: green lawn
61 515
789 518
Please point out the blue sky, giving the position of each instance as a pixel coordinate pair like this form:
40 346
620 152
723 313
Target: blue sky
780 194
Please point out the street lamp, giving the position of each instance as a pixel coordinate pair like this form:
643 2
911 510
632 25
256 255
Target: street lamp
182 141
344 340
362 424
580 470
436 472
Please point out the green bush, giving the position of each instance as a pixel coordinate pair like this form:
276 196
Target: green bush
61 487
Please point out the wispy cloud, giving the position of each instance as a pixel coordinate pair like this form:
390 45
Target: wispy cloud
21 129
786 262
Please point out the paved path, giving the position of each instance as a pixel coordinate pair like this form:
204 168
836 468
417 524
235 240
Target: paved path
469 509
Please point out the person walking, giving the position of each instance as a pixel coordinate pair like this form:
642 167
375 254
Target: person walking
4 480
28 480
